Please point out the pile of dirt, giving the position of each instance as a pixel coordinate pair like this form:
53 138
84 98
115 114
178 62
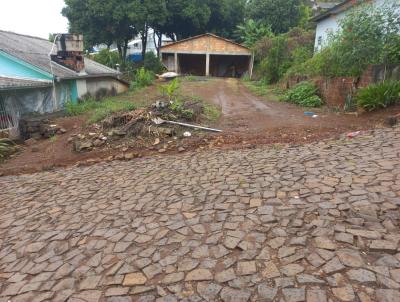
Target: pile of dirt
141 128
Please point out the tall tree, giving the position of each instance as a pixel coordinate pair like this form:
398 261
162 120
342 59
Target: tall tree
281 15
225 16
101 21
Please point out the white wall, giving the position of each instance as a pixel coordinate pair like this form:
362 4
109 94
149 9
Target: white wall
331 24
94 85
81 88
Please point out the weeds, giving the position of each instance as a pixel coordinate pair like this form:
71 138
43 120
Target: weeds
53 138
260 88
7 147
98 109
304 94
143 78
170 90
211 112
378 96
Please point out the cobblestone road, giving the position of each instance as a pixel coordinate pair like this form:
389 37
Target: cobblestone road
313 223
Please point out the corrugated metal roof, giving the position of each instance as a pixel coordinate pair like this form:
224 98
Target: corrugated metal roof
35 51
7 83
337 9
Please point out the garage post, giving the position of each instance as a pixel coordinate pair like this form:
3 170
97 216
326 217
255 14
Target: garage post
207 65
176 62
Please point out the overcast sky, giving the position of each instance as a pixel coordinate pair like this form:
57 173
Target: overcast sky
33 17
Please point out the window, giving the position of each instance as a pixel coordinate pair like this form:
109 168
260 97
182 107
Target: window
5 118
319 40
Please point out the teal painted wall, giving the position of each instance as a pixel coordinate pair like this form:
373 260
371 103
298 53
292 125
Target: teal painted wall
74 91
13 67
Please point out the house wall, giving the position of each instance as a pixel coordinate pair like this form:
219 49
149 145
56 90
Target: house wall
13 67
110 84
331 24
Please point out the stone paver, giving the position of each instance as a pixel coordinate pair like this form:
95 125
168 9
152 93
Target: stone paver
318 222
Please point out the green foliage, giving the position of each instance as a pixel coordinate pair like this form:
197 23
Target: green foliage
102 21
378 96
7 147
262 88
369 35
152 63
280 15
178 106
304 94
170 90
98 110
251 32
276 55
107 58
143 78
211 112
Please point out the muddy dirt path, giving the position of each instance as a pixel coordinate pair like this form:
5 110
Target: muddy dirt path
246 114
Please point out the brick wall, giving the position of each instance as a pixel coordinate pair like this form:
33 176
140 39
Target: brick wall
335 91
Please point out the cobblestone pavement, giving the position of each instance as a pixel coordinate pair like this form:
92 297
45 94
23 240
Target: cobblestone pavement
313 223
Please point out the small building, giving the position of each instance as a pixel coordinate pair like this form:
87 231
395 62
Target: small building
208 55
328 22
38 76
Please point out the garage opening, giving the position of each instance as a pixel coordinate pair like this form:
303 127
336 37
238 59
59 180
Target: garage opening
229 66
192 64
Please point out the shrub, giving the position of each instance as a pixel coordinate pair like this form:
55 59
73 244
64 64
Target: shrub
108 58
304 94
170 90
378 96
275 55
143 78
7 147
152 63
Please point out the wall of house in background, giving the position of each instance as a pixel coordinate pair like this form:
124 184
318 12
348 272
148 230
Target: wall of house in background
331 24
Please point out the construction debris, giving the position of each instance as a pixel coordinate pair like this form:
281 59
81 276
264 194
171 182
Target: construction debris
159 121
160 127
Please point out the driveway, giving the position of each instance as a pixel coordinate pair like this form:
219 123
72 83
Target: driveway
307 223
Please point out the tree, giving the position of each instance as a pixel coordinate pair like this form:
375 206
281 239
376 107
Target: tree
281 15
367 35
225 16
250 32
101 21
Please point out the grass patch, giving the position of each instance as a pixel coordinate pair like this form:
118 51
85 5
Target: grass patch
211 112
99 110
260 88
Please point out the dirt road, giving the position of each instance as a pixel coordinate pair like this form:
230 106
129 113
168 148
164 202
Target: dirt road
245 113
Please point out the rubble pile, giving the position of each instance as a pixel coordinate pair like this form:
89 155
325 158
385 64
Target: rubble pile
137 129
38 128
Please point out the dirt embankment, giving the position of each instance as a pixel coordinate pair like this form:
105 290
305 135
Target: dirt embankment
247 121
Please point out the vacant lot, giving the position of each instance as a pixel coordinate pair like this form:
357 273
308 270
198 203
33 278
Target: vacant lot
247 121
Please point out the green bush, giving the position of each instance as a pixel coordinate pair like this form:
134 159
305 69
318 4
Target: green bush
108 58
378 96
170 90
276 55
7 147
304 94
152 63
143 78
